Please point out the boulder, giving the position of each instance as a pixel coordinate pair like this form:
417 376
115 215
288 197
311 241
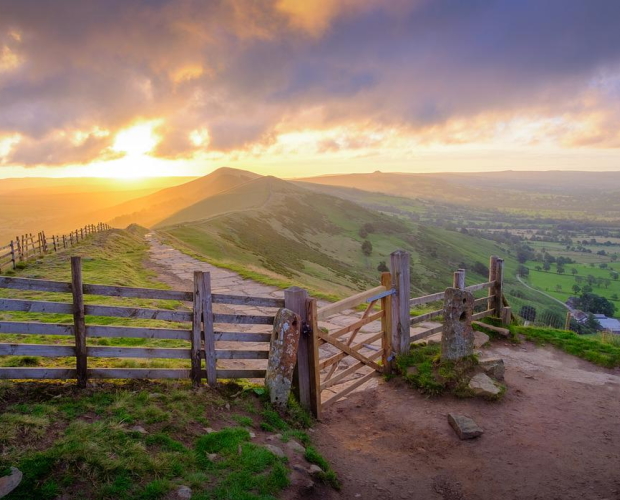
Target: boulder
277 451
314 470
464 426
494 367
480 338
482 385
10 482
457 339
295 446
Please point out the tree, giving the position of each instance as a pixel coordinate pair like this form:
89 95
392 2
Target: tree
595 304
576 289
538 268
546 265
367 247
382 267
363 233
560 268
558 288
523 270
613 275
528 313
369 228
574 270
592 324
614 296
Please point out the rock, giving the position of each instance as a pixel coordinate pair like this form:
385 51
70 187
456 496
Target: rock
212 457
10 482
295 446
457 339
209 430
282 356
227 406
139 429
482 385
252 435
274 437
155 395
494 367
275 450
480 338
184 492
464 426
314 470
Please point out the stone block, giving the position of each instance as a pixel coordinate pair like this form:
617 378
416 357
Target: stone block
457 340
464 426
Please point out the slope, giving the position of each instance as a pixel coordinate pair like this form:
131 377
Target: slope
291 235
151 209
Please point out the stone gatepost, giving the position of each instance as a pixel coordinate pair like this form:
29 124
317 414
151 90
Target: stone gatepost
282 356
457 340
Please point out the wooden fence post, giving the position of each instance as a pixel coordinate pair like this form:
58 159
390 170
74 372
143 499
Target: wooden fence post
295 299
209 335
13 260
54 243
64 241
496 275
79 323
44 241
401 318
313 357
459 279
71 238
19 248
386 323
196 338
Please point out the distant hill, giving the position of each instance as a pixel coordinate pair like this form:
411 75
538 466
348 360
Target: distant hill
568 195
152 209
285 232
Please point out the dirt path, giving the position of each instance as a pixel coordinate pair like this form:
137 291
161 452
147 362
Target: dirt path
554 436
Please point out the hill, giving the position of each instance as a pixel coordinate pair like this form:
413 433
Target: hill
150 210
290 234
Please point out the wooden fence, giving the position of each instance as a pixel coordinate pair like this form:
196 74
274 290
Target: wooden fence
25 247
201 331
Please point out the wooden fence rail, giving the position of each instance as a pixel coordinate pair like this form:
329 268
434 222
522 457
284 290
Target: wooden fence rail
202 331
25 247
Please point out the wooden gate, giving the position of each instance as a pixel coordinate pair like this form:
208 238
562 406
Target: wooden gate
368 352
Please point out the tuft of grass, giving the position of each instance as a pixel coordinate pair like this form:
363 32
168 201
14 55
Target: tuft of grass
595 349
328 476
424 369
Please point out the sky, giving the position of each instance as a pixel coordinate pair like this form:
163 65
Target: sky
122 88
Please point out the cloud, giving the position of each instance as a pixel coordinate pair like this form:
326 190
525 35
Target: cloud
246 71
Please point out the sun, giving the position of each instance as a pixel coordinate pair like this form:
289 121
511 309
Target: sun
137 140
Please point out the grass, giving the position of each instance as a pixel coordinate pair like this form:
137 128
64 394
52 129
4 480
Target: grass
603 350
425 370
81 442
113 258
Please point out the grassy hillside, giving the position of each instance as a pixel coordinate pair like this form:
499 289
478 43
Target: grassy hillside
151 209
291 235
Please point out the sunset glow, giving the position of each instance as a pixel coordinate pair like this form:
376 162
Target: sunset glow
298 88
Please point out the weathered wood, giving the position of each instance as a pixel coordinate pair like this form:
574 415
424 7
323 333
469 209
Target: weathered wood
136 332
138 313
208 319
34 285
36 350
13 256
386 325
350 351
243 319
483 314
348 389
35 306
426 333
241 337
357 325
37 373
79 323
426 317
480 286
238 354
295 299
425 299
231 374
337 357
482 300
400 262
350 370
507 316
348 303
33 328
137 293
313 357
282 356
137 373
241 300
496 275
137 352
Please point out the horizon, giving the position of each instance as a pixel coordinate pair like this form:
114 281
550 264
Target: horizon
293 89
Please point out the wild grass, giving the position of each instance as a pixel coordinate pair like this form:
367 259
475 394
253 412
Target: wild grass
598 349
142 440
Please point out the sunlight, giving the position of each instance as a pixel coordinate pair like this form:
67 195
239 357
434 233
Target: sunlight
137 140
